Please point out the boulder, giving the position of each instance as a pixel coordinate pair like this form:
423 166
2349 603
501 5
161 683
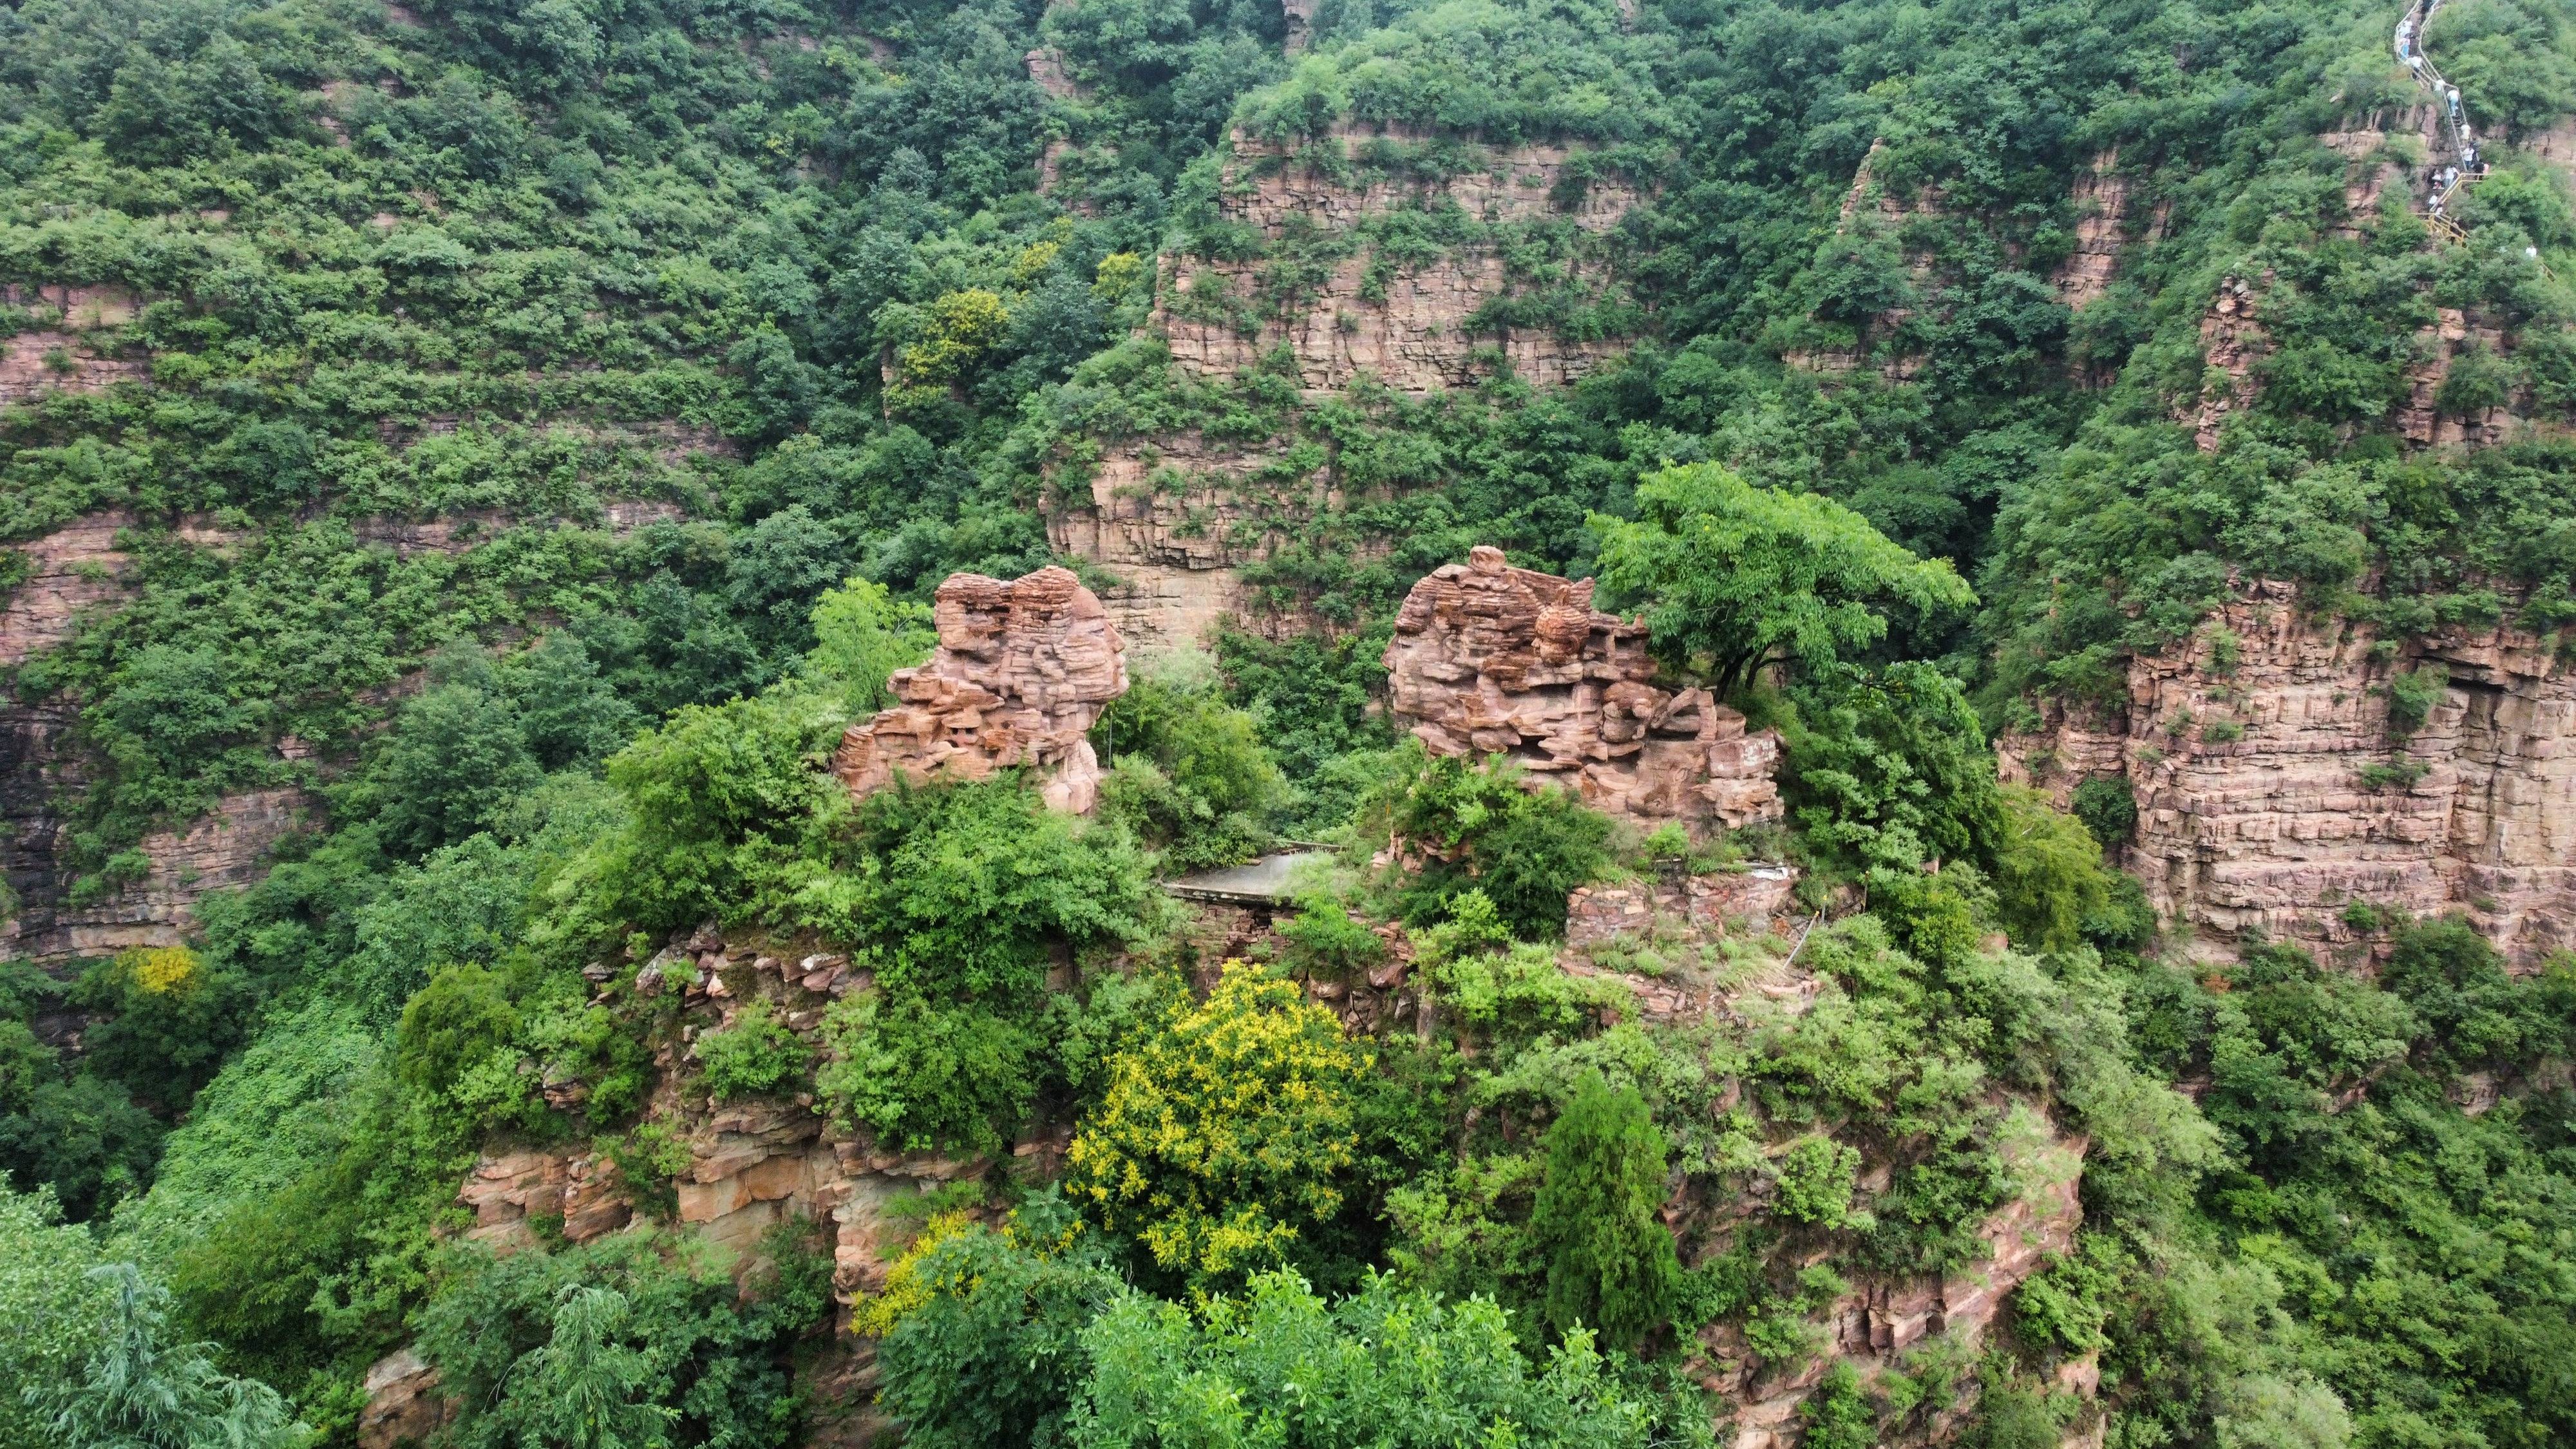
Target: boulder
1021 674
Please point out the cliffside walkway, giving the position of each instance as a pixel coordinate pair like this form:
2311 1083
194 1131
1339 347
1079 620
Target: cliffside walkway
2460 167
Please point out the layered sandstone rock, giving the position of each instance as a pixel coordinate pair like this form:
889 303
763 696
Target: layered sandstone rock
35 363
1690 908
1488 658
2372 164
225 849
2102 220
403 1403
2254 812
1879 1320
2420 419
1022 672
1154 510
2231 342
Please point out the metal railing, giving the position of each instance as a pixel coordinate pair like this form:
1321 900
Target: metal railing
2460 167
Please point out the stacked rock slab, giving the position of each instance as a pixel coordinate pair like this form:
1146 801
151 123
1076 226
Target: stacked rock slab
1492 659
1022 672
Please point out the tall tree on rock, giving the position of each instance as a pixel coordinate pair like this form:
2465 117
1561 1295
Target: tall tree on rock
1733 577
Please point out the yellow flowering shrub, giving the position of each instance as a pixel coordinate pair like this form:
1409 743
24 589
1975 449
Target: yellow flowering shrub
1225 1133
908 1287
161 970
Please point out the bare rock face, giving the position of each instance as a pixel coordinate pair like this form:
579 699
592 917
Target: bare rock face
75 568
225 849
2231 342
1488 658
2253 809
2103 224
2420 420
1022 672
403 1403
1691 907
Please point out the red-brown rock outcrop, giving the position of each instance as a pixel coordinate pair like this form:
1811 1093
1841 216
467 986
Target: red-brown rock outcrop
1488 658
1022 671
2231 342
2246 748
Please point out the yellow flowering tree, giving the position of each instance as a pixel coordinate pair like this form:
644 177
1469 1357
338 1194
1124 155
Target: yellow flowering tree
1226 1133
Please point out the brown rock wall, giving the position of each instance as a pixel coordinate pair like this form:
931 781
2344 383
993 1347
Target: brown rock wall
225 849
2231 342
35 363
1152 505
1488 658
2419 420
2102 217
2275 830
1021 674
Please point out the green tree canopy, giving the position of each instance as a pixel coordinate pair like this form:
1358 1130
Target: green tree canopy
1610 1261
1733 577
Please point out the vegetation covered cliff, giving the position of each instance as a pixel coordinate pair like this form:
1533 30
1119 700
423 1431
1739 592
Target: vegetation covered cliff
561 894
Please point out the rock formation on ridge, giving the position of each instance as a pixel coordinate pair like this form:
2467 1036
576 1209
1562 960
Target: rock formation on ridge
1022 671
1491 658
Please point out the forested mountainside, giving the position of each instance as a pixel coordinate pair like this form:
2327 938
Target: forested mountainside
1908 661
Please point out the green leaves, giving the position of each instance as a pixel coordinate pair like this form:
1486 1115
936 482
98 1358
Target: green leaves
1385 1368
1610 1261
1732 577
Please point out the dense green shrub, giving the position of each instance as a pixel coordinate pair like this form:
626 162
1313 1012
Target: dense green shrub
755 1054
1384 1367
629 1340
1478 829
1595 1222
2108 806
987 1352
1188 773
1734 577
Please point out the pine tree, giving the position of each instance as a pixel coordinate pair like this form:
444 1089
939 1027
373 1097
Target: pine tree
1610 1262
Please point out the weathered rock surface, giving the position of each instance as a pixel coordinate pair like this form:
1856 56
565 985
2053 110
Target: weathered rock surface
1150 509
2232 341
74 568
1022 672
225 849
1488 658
2275 829
2102 231
1877 1321
2420 419
35 363
403 1403
1690 907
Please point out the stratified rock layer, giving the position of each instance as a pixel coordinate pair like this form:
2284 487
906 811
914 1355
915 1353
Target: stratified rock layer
1175 516
1022 672
1488 658
2254 812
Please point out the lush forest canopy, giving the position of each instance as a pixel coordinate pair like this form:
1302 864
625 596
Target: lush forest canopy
705 337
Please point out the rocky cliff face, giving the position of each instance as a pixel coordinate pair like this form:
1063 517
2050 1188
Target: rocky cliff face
1022 671
1174 517
2273 791
1488 658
